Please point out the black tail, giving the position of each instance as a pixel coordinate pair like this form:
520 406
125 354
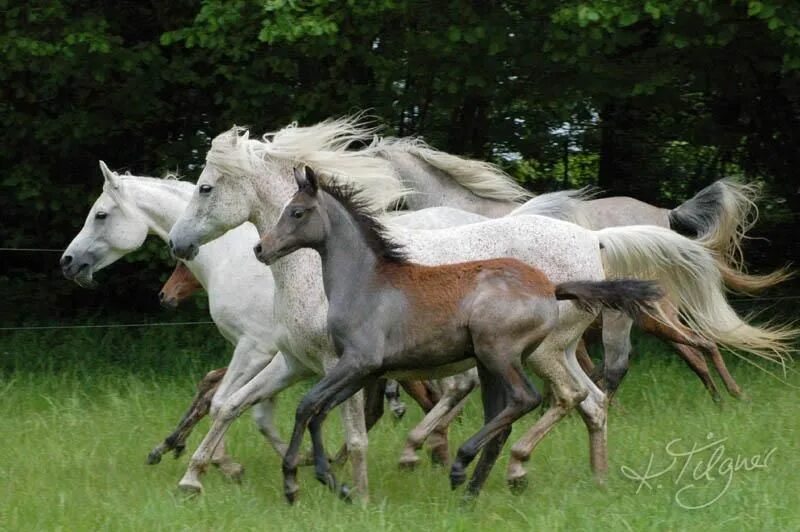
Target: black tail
630 296
694 216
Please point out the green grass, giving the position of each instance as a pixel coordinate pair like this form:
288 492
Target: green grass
81 410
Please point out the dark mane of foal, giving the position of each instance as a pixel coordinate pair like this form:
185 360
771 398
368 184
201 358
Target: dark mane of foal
374 232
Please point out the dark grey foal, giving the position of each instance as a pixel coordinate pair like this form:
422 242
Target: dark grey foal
389 316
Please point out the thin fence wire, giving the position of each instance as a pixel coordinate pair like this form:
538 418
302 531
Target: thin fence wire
209 322
33 250
106 326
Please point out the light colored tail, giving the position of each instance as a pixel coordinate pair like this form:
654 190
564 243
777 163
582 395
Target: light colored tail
719 216
690 275
745 283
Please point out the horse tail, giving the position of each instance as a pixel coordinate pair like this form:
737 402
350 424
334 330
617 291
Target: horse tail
690 275
746 283
719 215
631 296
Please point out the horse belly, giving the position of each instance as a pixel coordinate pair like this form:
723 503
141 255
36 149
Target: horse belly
436 355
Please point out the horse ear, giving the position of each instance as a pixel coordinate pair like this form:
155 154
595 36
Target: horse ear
306 179
110 177
300 177
313 182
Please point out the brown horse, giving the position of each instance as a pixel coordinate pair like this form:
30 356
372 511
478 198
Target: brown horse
388 315
181 285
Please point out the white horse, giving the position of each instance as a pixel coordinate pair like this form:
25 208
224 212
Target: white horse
240 289
250 180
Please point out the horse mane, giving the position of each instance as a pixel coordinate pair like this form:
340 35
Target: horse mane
374 232
483 179
327 147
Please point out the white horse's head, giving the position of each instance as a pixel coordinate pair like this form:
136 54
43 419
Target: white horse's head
224 197
111 230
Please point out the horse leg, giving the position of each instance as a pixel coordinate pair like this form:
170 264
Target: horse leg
616 348
506 388
396 404
457 388
549 362
278 375
493 404
264 418
438 445
697 364
374 393
421 394
584 359
686 340
594 412
426 397
198 409
223 461
340 383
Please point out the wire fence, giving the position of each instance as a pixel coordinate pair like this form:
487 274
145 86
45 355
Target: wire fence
773 299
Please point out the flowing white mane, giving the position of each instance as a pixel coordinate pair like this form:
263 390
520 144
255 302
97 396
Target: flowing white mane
326 147
483 179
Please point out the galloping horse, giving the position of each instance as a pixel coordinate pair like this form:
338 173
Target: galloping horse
251 180
387 314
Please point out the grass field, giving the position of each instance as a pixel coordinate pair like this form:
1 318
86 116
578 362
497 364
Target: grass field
81 409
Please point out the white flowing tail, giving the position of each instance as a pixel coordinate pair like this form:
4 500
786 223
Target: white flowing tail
690 275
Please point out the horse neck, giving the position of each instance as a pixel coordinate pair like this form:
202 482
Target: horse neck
431 187
298 283
347 259
160 202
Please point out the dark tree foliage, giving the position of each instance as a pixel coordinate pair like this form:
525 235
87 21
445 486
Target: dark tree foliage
652 99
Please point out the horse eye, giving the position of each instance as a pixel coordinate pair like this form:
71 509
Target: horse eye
101 215
298 213
205 189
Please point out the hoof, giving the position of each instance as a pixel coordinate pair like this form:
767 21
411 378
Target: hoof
468 499
232 471
346 494
399 412
190 487
407 466
440 458
154 457
457 475
291 496
518 485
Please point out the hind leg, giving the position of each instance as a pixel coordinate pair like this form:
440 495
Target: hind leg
492 406
697 364
549 362
396 405
685 340
594 412
616 348
197 410
456 389
505 387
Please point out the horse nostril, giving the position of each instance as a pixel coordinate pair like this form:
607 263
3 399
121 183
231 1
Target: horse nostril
171 245
257 249
161 296
66 260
